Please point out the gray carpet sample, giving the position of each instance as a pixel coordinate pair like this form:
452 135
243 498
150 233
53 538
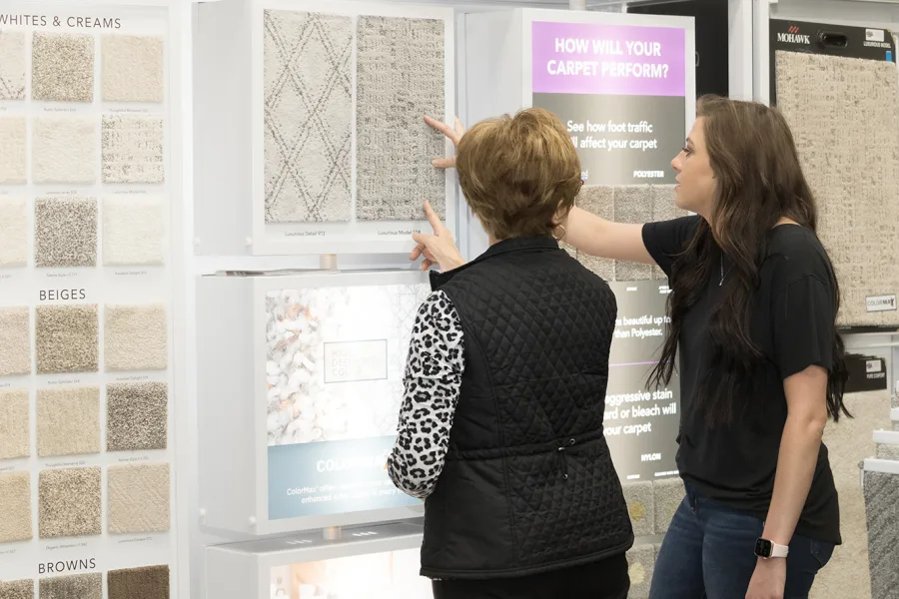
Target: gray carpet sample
65 232
633 204
640 508
598 200
669 493
308 116
664 208
844 115
882 507
641 562
400 77
136 416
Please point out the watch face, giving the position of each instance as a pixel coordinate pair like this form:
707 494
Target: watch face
763 548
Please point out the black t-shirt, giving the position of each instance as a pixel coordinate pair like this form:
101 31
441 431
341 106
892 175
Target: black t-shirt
792 324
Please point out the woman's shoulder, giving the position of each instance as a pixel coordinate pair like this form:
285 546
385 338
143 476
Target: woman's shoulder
795 252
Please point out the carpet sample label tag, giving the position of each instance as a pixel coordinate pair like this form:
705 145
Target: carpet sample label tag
880 303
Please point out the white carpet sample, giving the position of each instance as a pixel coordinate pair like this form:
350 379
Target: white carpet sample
598 200
136 337
844 115
139 498
641 561
132 150
65 232
68 421
64 150
15 428
15 505
308 116
67 338
62 67
399 78
13 232
133 69
12 65
133 230
882 508
13 157
15 339
69 502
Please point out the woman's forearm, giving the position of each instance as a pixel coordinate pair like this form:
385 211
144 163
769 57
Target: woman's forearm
600 237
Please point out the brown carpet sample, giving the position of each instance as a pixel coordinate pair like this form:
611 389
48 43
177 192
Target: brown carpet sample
69 502
17 589
67 338
136 416
68 421
15 507
79 586
15 438
15 339
139 498
151 582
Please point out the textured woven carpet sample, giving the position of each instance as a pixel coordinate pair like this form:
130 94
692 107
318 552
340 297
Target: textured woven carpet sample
641 561
13 157
132 68
62 67
68 421
15 339
639 498
308 116
12 65
882 507
67 338
598 200
400 76
844 114
79 586
13 232
633 204
132 149
136 337
138 498
133 230
65 232
69 502
17 589
15 505
136 416
63 150
15 440
151 582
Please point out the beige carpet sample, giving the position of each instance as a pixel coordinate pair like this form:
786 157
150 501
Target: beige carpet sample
13 155
641 561
136 416
64 149
15 339
68 421
13 232
150 582
132 149
633 204
136 337
65 232
15 506
132 68
598 200
17 589
664 208
69 502
133 230
67 338
844 114
62 67
881 491
78 586
15 424
12 65
139 498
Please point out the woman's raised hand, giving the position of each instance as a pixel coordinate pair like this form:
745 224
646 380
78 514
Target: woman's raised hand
437 247
453 133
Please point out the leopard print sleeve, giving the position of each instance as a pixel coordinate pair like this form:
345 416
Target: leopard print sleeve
432 382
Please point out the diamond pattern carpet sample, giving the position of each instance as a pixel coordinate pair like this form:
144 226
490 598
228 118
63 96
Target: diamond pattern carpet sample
400 77
62 67
851 160
65 232
78 586
15 505
132 68
13 232
15 439
13 158
136 416
882 508
308 115
12 65
139 498
136 337
132 150
15 339
17 589
133 230
150 582
68 421
67 338
64 150
69 502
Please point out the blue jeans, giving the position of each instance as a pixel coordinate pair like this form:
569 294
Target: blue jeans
708 553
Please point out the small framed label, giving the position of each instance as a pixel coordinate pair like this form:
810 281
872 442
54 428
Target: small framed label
873 366
880 303
874 35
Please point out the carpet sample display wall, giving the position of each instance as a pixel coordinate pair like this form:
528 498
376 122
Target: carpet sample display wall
151 582
15 505
132 150
67 338
13 232
62 67
15 429
15 339
138 498
65 232
69 502
13 156
78 586
17 589
844 115
68 421
136 416
136 337
133 230
882 508
12 65
133 68
63 150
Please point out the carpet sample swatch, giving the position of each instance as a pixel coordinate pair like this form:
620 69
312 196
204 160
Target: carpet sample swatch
664 208
598 200
68 421
79 586
150 582
69 502
639 498
851 161
633 204
308 114
132 68
882 507
139 498
17 589
136 416
15 339
15 438
67 338
132 150
62 67
13 232
65 232
641 563
13 157
15 505
12 66
399 77
669 493
64 150
133 230
136 337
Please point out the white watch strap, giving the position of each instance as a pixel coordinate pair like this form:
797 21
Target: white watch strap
779 550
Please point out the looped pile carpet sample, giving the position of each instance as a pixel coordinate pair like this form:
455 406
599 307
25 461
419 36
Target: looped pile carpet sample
132 149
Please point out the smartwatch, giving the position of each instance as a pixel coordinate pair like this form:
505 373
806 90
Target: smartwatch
765 548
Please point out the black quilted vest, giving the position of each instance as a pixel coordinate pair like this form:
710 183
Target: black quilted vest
528 484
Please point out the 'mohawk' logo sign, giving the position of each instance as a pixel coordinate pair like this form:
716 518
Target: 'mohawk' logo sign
792 36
